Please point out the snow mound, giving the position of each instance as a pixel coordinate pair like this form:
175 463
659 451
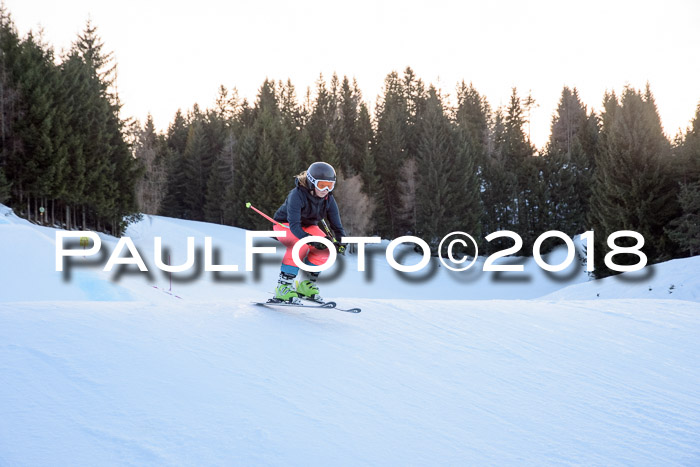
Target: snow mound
676 279
28 267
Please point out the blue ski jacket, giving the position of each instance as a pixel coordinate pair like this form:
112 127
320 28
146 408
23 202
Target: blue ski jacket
302 208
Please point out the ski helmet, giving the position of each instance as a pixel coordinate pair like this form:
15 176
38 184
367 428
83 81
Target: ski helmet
321 175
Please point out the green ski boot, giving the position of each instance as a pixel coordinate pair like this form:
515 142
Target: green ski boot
308 290
284 291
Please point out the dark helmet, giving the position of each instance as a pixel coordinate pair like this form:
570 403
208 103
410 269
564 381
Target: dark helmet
320 172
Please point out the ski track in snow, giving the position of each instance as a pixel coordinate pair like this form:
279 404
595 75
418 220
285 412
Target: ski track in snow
98 371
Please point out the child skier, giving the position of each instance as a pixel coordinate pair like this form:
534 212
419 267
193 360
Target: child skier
306 205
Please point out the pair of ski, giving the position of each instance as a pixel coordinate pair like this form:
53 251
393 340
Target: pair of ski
273 302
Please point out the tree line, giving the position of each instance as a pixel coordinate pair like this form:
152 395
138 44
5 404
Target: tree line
422 166
420 163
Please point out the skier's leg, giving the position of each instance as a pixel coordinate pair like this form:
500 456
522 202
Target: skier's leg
309 288
289 240
288 270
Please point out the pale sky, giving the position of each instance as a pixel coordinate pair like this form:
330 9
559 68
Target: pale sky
171 54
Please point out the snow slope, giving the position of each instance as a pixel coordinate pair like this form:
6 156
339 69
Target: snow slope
28 267
104 369
407 382
679 279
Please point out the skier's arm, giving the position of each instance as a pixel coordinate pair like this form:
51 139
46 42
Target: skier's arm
294 206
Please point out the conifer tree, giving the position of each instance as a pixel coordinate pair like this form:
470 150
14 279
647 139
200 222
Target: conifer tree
515 144
217 129
100 180
267 185
63 140
408 195
176 140
685 229
510 177
351 131
569 163
363 137
9 95
538 195
296 141
567 124
107 167
293 114
127 172
472 117
390 153
687 151
396 116
517 157
33 164
499 185
632 187
329 152
74 107
321 118
195 177
226 105
268 160
344 127
221 177
370 186
240 190
5 187
149 151
441 177
305 148
363 133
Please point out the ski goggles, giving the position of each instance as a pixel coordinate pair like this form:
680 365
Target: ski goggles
321 185
324 185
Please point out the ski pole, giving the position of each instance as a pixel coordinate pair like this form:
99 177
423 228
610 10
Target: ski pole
328 231
340 247
248 205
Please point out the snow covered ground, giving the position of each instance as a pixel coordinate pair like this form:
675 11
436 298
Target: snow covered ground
102 368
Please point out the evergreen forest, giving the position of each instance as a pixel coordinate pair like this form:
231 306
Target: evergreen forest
420 162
